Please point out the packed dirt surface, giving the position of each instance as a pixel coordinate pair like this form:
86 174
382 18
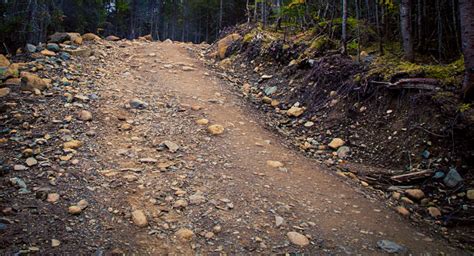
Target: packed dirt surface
159 179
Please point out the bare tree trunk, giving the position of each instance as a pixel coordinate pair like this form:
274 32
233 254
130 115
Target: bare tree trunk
255 11
358 29
439 26
247 8
466 9
379 31
220 15
405 22
344 27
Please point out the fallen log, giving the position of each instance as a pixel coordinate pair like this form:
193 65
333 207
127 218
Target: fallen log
412 176
429 84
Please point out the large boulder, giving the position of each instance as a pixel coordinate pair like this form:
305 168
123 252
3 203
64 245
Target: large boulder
53 47
7 69
31 82
90 37
75 38
148 37
59 37
225 42
4 62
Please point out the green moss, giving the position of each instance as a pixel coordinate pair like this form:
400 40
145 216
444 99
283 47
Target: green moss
389 66
319 43
248 37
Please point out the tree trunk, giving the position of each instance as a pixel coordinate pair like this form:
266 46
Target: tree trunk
466 9
220 15
405 22
344 27
379 31
358 29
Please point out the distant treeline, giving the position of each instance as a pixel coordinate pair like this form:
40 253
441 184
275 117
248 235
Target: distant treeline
31 21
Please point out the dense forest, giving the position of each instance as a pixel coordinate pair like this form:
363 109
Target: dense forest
430 31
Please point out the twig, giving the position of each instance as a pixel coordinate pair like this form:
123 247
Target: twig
432 133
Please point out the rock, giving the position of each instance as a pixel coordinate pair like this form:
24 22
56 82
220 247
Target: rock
80 52
216 129
390 247
246 88
434 212
279 221
217 228
267 100
186 68
453 178
403 211
19 167
308 124
181 203
168 41
172 147
297 239
295 111
470 194
138 104
139 218
55 243
85 115
148 160
197 198
4 62
59 37
275 164
270 90
130 177
202 121
343 152
406 200
48 53
31 48
336 143
4 92
73 144
112 38
148 37
31 82
53 47
83 204
52 197
90 37
416 194
209 235
75 38
126 127
31 161
74 209
224 44
184 234
13 82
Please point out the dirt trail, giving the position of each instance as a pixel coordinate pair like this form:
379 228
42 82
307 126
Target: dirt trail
156 182
220 187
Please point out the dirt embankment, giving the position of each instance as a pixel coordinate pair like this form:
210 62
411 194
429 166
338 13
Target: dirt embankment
398 133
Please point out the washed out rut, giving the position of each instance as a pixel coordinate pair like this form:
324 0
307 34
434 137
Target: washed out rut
240 195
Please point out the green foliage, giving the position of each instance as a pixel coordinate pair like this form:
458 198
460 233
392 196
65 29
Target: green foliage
465 107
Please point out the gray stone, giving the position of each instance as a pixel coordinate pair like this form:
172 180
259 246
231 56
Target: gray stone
53 47
31 48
